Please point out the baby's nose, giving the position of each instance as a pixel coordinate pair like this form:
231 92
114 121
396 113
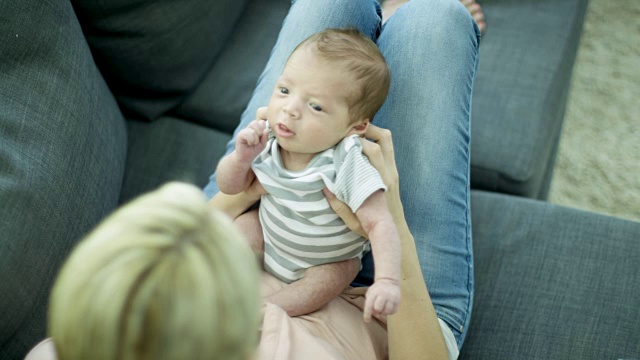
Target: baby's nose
292 109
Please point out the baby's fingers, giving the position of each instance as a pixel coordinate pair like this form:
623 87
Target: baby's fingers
248 137
261 130
258 126
379 305
368 308
391 307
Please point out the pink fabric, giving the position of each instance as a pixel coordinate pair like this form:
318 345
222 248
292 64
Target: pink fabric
337 331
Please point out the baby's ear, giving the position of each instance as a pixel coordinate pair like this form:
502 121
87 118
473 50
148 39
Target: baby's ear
360 127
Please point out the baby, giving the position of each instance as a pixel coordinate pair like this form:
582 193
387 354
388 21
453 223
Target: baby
331 87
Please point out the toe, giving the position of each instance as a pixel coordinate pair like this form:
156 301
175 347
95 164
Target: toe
476 13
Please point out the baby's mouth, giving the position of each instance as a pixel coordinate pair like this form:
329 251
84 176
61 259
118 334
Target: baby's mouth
284 131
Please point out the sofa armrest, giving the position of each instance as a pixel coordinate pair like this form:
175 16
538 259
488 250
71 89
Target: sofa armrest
62 157
519 95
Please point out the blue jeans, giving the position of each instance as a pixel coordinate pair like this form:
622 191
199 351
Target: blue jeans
431 47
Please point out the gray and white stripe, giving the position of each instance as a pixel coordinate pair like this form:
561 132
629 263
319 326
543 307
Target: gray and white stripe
300 228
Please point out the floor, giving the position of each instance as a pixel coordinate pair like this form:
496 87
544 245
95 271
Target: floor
598 164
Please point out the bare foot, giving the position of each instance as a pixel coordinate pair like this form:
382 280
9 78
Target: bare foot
476 13
390 6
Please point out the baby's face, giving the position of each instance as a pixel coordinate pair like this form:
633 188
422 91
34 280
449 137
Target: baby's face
308 110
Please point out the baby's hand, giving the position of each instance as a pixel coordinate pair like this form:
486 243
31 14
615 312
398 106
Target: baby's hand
383 298
252 140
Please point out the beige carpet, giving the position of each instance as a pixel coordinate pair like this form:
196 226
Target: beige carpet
598 164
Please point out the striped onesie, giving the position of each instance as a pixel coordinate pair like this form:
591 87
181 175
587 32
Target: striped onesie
299 227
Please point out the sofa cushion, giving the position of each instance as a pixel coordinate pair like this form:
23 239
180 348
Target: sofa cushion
170 149
224 94
552 282
62 154
520 91
152 53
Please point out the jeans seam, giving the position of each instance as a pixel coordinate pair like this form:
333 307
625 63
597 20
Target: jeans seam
469 233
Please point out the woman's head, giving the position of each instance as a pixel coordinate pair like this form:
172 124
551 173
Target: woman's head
164 277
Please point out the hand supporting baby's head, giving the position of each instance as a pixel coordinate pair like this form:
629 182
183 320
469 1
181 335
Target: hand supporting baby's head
164 277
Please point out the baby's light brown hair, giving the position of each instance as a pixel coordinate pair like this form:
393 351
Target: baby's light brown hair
362 59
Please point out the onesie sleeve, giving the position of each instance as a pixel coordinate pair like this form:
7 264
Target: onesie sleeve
356 178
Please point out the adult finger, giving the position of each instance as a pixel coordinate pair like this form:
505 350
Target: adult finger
261 113
344 212
374 153
382 137
380 153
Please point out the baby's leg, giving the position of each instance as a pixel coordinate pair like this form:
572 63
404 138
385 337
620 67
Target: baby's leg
249 226
320 285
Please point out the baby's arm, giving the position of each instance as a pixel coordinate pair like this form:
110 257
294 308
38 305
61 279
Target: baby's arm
234 173
236 205
383 297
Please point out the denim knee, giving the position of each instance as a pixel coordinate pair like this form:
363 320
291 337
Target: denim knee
364 15
443 21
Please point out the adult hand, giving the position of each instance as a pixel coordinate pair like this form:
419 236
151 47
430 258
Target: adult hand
381 155
261 113
379 150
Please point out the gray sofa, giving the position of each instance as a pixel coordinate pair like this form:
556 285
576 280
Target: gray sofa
103 100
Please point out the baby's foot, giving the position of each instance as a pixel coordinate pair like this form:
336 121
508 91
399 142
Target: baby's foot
476 13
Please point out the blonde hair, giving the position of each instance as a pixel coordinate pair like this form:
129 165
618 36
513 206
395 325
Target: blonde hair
164 277
363 60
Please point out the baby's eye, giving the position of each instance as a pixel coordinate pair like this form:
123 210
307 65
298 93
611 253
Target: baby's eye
316 107
284 90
